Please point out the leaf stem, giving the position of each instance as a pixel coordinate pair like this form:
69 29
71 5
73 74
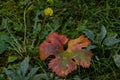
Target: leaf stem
25 27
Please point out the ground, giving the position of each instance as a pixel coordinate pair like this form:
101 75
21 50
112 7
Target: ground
24 25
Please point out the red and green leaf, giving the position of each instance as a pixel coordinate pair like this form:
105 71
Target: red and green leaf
65 61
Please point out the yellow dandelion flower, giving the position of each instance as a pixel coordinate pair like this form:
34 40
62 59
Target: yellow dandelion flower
48 11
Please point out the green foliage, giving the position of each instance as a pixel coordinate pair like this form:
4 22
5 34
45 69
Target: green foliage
3 42
110 41
25 72
101 39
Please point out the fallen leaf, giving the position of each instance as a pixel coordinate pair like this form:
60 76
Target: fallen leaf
65 61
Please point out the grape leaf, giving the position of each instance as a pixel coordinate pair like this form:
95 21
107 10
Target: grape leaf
66 61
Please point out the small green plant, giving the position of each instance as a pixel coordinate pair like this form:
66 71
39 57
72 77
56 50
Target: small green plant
25 72
103 43
102 39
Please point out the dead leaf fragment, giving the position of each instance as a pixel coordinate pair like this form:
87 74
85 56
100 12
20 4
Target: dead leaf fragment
78 44
83 58
47 49
52 46
55 37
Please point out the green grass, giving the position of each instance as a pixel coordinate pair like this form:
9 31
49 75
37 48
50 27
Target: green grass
25 25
